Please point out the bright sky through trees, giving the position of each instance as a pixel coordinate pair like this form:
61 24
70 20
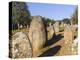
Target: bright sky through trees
53 11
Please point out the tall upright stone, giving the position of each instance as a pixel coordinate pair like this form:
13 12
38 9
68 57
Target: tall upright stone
62 26
68 39
50 24
56 27
74 29
37 33
50 32
20 46
75 47
75 41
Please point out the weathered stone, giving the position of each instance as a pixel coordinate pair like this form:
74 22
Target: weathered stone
37 33
56 27
27 26
69 45
50 31
21 26
74 28
50 24
62 26
75 46
20 46
68 39
75 41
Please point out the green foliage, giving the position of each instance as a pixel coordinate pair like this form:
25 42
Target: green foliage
20 13
75 17
66 20
48 20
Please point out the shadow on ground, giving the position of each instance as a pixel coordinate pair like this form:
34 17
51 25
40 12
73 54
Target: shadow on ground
51 51
54 50
53 40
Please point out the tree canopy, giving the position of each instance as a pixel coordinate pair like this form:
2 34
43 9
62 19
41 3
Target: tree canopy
20 13
75 17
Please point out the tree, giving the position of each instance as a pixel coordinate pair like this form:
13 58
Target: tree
20 13
74 18
66 20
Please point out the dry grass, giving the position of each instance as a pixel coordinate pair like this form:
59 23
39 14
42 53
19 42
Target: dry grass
20 30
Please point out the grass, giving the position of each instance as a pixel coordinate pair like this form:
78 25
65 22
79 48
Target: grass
20 30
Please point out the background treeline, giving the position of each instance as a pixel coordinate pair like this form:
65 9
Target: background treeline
21 16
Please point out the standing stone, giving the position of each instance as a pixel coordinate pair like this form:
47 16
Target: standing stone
21 26
56 27
50 31
68 39
27 26
62 26
18 25
75 47
75 41
74 29
50 24
37 33
20 46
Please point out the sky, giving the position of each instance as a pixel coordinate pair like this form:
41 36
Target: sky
53 11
